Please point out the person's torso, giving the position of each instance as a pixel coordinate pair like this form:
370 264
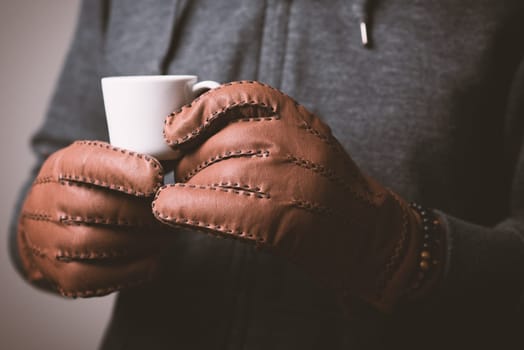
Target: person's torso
422 110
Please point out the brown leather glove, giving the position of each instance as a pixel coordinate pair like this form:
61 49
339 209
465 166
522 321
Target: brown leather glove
86 225
256 165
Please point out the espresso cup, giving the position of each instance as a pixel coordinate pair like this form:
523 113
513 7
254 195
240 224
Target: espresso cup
136 107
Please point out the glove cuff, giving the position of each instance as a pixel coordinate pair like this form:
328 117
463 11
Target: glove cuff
423 255
405 261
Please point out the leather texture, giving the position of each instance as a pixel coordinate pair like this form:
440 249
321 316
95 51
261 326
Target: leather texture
86 226
257 166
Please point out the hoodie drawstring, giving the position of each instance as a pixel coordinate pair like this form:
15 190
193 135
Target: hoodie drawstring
363 10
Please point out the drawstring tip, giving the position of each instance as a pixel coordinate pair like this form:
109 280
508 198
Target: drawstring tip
364 33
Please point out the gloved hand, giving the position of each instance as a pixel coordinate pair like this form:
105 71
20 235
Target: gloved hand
86 225
257 166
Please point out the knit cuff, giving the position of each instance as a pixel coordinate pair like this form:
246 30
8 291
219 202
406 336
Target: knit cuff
484 267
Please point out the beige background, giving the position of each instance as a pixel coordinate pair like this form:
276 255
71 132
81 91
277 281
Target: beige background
34 37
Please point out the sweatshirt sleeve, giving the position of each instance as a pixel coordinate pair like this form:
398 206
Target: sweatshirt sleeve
485 267
76 110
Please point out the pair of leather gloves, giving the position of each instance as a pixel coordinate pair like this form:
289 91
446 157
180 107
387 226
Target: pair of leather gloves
253 165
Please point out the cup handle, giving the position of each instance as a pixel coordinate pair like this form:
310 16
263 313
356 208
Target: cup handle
202 86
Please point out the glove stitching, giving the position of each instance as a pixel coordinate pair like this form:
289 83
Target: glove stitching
238 186
333 144
33 249
320 209
81 181
255 119
67 256
255 82
330 175
212 91
100 183
394 261
226 155
152 162
100 291
43 180
78 220
170 118
28 254
36 250
258 195
37 216
208 120
206 227
327 140
313 207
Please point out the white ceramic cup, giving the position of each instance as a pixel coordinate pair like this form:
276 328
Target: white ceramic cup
136 107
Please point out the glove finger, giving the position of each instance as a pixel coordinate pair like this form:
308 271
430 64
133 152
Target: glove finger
226 212
96 278
209 113
102 279
80 203
270 223
286 180
234 141
100 164
252 212
269 137
89 242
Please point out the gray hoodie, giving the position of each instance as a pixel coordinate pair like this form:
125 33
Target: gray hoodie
432 106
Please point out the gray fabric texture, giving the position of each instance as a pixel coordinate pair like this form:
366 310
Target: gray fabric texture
434 110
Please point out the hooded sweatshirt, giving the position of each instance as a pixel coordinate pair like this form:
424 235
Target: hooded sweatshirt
426 96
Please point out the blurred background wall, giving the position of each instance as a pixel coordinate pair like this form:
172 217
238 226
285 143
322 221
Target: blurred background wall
34 37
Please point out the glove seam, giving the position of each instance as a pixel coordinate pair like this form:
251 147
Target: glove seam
89 220
254 119
221 87
152 162
394 260
250 153
37 216
209 228
69 179
240 187
30 269
318 208
96 182
66 256
100 291
35 250
44 180
206 226
244 192
326 139
330 175
79 220
208 120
